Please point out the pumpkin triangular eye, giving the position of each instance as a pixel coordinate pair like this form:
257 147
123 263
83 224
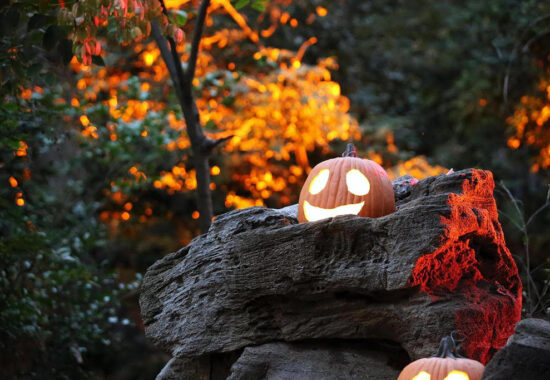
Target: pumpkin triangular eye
319 182
357 183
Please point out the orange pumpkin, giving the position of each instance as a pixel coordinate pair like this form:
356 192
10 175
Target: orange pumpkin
346 185
445 365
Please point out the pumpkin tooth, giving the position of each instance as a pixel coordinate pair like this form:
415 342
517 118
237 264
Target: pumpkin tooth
313 213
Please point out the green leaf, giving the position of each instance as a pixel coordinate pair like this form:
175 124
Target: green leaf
259 5
98 60
179 17
13 145
228 101
241 4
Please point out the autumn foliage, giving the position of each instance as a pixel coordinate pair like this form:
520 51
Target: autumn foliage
531 121
97 163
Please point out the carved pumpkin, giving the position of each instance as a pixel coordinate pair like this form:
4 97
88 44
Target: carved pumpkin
346 185
445 365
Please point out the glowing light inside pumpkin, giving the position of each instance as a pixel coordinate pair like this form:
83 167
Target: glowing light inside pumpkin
457 375
313 213
319 182
453 375
422 376
357 183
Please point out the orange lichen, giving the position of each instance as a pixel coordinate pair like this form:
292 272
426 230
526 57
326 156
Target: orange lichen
472 255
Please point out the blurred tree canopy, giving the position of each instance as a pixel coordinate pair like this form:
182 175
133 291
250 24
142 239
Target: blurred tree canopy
96 163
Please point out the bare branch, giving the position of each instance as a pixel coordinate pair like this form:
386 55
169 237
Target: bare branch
510 219
516 206
164 9
539 210
528 44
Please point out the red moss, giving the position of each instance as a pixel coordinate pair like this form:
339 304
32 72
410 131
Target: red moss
473 262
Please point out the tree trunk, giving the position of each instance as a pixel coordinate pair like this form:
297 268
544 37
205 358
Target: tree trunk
201 145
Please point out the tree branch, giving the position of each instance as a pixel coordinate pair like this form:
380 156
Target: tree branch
538 211
528 44
197 36
514 54
201 145
184 86
162 43
209 144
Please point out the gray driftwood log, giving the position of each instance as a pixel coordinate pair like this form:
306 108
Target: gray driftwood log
438 264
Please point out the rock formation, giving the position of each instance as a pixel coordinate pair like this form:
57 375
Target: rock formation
525 356
259 288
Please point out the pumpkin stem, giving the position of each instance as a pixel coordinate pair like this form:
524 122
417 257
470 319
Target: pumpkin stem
350 151
447 349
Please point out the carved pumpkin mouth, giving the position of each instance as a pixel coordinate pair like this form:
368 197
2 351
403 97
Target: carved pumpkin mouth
313 213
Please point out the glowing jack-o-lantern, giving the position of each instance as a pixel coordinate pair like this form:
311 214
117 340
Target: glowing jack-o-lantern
445 365
346 185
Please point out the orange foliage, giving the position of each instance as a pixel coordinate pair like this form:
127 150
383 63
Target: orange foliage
417 167
22 150
531 121
275 119
175 4
239 19
321 11
26 93
279 118
19 200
